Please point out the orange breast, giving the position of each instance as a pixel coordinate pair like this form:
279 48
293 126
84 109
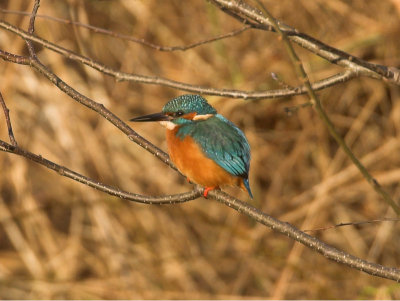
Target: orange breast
192 162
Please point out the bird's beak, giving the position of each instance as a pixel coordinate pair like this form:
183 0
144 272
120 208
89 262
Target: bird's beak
152 117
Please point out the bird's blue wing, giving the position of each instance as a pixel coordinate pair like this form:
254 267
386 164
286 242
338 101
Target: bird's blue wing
222 142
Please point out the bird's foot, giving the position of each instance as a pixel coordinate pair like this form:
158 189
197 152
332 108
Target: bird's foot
207 190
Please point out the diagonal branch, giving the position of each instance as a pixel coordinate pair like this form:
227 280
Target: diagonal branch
305 239
95 106
103 111
65 172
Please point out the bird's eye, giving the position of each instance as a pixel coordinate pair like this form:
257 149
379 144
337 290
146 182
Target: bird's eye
179 113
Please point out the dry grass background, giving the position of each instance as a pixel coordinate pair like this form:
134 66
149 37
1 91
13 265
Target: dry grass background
60 239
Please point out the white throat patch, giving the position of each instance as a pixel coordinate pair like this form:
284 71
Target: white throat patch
168 124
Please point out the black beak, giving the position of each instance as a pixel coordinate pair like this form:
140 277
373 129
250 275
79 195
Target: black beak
152 117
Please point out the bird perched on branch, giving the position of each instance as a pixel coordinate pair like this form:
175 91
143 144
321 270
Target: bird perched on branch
206 147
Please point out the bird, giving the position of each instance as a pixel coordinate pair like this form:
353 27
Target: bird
205 146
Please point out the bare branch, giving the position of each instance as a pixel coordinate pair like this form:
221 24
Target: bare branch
31 28
32 19
95 106
130 38
103 111
242 207
14 58
8 121
252 16
305 239
153 80
63 171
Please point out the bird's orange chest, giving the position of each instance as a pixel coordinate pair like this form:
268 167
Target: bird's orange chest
188 157
185 153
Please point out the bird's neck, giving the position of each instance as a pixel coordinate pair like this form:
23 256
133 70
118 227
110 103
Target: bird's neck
180 131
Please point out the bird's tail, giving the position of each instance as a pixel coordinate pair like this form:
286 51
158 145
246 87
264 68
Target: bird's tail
247 186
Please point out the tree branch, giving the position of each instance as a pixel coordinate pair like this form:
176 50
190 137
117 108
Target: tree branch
31 28
247 14
153 80
305 239
65 172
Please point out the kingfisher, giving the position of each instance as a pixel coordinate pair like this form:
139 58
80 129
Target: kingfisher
205 146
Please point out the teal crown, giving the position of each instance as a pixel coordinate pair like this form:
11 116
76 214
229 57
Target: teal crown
189 103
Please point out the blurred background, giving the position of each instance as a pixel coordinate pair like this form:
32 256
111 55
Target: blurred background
63 240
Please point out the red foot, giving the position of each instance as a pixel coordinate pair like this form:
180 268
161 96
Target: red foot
207 190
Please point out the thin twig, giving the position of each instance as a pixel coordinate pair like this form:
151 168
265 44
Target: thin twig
354 224
293 109
31 28
8 121
130 38
298 66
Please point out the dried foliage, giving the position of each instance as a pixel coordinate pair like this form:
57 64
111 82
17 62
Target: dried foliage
60 239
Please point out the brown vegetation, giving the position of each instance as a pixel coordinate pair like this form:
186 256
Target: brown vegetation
61 239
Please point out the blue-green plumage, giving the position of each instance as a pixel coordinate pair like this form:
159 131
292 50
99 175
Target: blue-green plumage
222 141
219 138
215 136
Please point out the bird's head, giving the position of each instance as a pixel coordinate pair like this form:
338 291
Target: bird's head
182 110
